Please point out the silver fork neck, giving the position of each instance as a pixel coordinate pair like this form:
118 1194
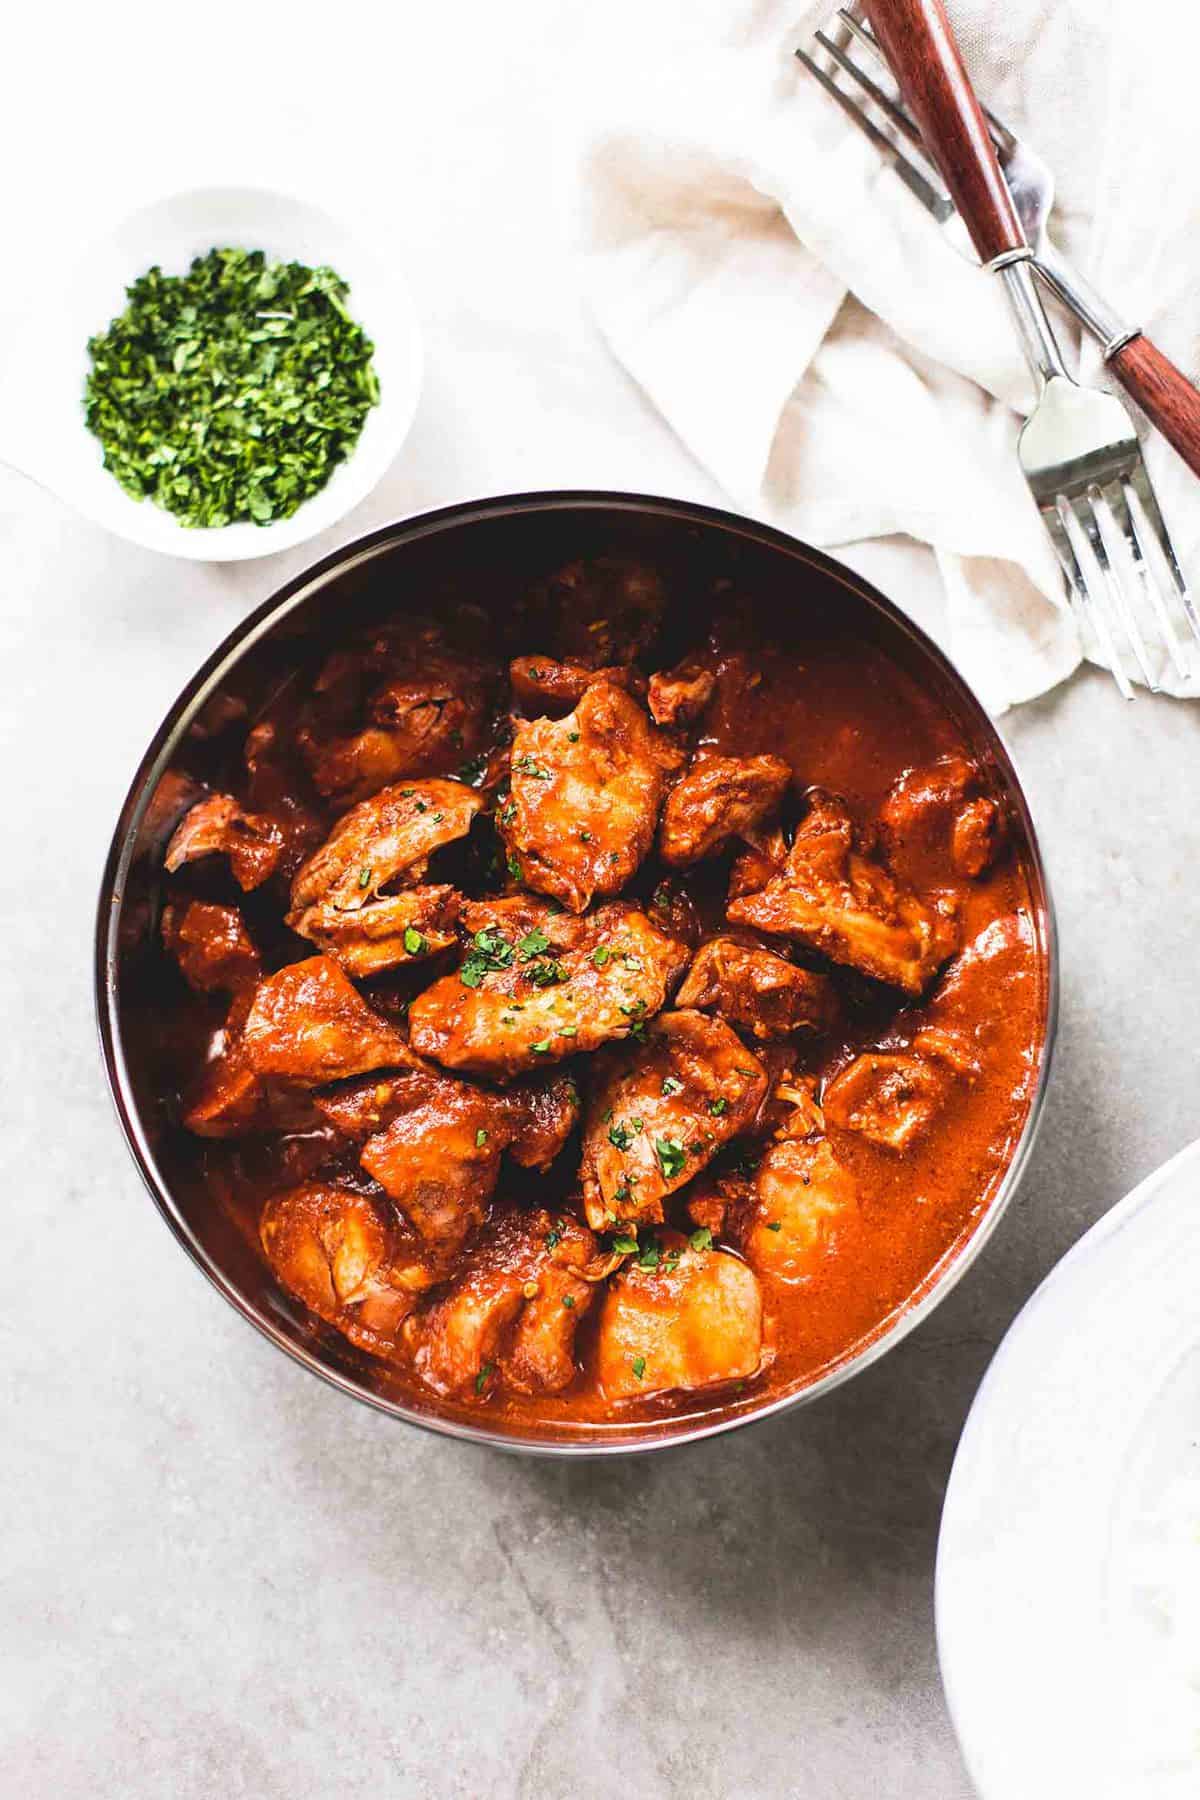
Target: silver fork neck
1037 338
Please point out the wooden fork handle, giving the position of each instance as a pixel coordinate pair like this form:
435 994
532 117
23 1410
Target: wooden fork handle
917 40
1163 392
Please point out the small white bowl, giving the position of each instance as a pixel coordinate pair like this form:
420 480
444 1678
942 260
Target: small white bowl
52 443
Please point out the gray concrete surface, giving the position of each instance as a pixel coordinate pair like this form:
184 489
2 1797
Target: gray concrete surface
219 1578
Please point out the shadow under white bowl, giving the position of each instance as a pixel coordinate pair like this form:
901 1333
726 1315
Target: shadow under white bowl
1068 1571
46 435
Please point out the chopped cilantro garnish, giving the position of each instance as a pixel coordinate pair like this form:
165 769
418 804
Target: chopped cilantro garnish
651 1253
620 1136
532 944
438 817
623 1244
717 1107
422 806
364 877
774 1225
233 391
671 1085
541 1047
481 1378
525 765
671 1156
600 955
701 1239
514 868
572 737
546 973
568 1299
639 1366
414 943
481 1138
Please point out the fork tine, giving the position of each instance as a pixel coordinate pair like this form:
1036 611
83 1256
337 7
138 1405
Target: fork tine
1141 486
1002 137
884 102
1117 496
933 200
1054 518
1084 508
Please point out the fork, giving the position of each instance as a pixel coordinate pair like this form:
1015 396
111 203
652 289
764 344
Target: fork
1163 392
1078 449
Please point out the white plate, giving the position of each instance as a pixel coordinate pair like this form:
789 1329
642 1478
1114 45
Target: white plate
45 434
1068 1575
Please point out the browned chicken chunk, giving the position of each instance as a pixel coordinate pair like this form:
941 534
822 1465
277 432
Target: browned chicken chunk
219 826
939 823
211 946
718 799
600 610
754 988
890 1097
540 684
803 1198
835 898
510 1315
385 842
659 1111
538 985
438 1157
693 1319
342 1255
308 1024
403 704
678 696
585 796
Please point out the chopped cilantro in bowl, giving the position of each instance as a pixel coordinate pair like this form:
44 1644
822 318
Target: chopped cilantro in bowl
232 392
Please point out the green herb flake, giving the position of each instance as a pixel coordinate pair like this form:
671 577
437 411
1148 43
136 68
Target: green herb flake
671 1085
568 1299
514 868
649 1259
541 1047
701 1239
671 1157
232 392
717 1107
364 878
620 1136
639 1366
532 945
600 955
625 1245
481 1138
774 1225
414 943
572 737
481 1378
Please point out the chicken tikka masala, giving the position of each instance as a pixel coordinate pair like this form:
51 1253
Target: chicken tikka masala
592 1025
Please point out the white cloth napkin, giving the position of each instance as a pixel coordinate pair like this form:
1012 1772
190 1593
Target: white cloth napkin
814 338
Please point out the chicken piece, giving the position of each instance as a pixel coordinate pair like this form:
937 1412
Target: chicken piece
843 903
403 704
219 826
585 796
692 1320
539 985
753 988
718 799
276 786
600 610
803 1198
532 1119
340 1253
889 1097
398 928
510 1315
228 1099
384 842
309 1025
939 824
211 946
541 685
541 1114
763 857
659 1111
678 696
438 1157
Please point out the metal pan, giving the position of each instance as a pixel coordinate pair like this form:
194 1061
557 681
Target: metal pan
499 546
